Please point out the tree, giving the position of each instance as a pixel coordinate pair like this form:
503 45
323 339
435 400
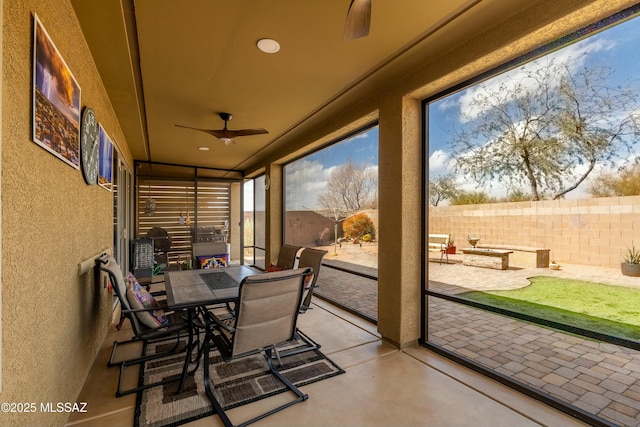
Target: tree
442 188
351 187
548 129
626 183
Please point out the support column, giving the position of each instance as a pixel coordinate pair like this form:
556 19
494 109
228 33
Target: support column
274 211
399 186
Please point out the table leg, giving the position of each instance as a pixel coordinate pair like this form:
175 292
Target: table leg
187 357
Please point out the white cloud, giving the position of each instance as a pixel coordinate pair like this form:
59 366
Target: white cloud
373 169
305 181
440 163
363 135
448 103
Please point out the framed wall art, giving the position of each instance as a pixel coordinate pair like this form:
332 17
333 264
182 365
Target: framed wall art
56 100
105 162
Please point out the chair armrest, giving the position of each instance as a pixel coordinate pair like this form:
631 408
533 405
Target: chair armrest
138 310
220 323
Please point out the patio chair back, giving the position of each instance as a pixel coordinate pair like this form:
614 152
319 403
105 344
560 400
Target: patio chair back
310 258
267 310
119 284
287 256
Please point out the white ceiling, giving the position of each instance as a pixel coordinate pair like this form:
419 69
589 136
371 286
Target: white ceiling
167 62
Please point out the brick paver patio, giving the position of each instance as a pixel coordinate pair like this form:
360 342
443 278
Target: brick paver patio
600 378
357 293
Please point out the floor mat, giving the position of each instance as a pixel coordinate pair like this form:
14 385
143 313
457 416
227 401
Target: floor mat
236 383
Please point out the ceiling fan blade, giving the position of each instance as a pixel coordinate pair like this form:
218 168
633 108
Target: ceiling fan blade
230 134
249 132
209 131
358 20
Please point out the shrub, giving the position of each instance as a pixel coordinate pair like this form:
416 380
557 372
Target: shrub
632 256
357 226
471 198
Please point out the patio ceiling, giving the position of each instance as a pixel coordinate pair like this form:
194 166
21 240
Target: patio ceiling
167 62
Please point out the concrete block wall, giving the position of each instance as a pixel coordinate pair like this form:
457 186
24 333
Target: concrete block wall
595 231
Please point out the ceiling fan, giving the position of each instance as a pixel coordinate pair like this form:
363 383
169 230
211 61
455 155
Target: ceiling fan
227 135
358 20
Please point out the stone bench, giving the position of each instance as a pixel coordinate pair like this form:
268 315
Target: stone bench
488 258
523 256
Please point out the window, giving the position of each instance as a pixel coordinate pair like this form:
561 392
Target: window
331 202
517 159
259 222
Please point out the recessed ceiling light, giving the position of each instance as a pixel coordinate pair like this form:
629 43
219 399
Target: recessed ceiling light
203 148
268 45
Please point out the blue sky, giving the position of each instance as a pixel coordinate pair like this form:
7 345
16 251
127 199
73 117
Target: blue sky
312 173
360 148
616 47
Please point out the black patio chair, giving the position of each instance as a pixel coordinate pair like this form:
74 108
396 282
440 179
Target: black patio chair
311 258
148 324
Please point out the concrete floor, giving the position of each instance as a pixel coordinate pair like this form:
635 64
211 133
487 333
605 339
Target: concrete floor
383 386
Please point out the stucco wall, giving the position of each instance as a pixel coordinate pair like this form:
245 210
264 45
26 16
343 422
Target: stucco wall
589 231
53 320
304 227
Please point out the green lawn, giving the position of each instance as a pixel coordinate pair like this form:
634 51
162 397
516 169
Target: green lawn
614 310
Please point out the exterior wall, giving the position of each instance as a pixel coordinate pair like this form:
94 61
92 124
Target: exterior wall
304 227
53 320
594 231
